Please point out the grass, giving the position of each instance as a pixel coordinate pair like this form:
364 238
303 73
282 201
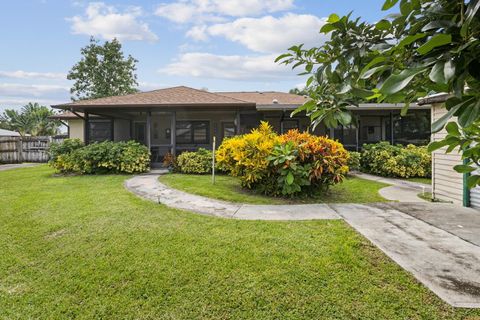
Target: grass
352 190
427 196
420 180
83 247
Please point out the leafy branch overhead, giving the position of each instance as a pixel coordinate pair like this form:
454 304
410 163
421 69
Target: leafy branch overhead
103 71
430 46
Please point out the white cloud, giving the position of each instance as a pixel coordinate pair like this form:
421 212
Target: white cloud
107 22
32 90
232 67
267 34
19 74
194 11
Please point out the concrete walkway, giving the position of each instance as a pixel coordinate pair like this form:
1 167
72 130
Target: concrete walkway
445 263
4 167
148 187
399 190
423 238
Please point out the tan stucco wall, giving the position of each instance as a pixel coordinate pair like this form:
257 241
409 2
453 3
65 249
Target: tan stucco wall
76 129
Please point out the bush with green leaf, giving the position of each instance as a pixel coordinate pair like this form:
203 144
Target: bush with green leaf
65 147
290 164
388 160
198 162
354 161
101 157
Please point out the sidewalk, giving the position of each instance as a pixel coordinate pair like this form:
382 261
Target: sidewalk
400 190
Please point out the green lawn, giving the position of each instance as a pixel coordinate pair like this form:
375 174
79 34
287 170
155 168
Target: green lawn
421 180
84 247
352 190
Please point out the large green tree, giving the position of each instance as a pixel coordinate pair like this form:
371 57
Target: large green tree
430 46
103 71
32 119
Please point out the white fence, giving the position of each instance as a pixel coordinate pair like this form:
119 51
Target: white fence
25 149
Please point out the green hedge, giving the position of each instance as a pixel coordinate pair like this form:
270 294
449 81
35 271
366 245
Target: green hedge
199 162
354 161
99 158
388 160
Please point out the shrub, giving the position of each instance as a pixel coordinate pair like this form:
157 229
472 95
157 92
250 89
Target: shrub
389 160
65 147
246 156
287 165
354 161
199 162
103 157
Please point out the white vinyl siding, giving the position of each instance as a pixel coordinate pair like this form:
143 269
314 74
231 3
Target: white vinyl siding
475 196
447 183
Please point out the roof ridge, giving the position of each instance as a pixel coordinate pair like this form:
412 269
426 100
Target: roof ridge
214 93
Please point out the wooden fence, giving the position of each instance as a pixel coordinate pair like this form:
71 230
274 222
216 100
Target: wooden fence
25 149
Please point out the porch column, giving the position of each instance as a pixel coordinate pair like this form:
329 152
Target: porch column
237 122
86 128
149 130
173 133
391 128
356 134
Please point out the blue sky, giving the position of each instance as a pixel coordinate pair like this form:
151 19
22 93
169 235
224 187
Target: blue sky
221 45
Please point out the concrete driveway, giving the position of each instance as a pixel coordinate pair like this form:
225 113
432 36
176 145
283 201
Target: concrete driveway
438 243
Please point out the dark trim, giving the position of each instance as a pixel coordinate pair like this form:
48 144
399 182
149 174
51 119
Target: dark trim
78 115
86 128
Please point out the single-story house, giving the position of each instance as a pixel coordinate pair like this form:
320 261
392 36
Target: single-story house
447 184
182 118
9 133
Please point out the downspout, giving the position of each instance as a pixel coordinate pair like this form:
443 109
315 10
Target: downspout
466 190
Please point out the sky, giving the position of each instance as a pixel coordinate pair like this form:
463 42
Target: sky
218 45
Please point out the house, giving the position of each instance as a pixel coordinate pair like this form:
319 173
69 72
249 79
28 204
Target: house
182 118
8 133
447 184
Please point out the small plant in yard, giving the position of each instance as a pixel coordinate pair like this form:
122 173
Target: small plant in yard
292 176
199 162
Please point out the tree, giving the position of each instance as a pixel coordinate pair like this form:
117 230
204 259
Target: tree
300 92
430 46
103 71
32 119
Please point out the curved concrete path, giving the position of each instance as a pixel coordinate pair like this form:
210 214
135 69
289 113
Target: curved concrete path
399 190
147 186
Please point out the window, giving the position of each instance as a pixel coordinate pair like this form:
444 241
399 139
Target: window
228 129
193 132
287 125
100 130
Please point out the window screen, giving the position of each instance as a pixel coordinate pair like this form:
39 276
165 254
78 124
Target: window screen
100 130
